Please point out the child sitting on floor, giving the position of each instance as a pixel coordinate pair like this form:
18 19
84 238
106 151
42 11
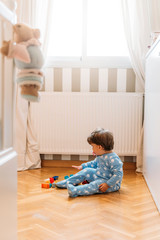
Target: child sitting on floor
104 174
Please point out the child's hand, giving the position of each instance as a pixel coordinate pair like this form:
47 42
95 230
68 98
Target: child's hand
103 187
77 167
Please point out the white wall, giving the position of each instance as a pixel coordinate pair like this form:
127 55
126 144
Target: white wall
152 123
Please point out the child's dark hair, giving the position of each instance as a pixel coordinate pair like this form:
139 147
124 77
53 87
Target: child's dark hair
103 138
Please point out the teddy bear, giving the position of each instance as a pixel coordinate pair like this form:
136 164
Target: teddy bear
28 57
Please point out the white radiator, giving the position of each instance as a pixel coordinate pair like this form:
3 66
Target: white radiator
63 120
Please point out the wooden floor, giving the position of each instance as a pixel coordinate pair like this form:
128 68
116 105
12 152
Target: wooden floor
49 214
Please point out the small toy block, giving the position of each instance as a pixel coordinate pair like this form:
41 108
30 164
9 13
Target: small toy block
46 185
49 180
55 177
66 177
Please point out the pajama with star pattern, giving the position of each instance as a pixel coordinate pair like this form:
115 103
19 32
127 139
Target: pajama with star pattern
107 168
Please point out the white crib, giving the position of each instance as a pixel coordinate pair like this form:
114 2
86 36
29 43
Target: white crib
8 158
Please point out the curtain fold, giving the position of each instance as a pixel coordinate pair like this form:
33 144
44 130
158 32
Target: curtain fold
154 13
137 30
36 13
25 139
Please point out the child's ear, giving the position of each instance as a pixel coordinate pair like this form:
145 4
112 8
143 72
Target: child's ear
100 147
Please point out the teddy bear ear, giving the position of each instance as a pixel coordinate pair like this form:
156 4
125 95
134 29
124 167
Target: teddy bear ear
37 33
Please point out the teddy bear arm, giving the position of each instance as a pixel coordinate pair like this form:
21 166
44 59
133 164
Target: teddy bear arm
19 51
5 48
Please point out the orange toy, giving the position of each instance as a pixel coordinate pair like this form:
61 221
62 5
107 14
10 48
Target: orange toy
46 185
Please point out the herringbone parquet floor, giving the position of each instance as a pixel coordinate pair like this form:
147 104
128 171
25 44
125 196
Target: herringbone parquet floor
49 214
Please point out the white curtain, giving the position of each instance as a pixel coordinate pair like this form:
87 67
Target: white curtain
37 14
137 30
154 13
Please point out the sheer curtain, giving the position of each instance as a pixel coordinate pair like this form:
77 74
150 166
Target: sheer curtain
154 13
37 14
137 30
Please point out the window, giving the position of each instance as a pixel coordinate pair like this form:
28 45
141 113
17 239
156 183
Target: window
105 33
66 33
87 29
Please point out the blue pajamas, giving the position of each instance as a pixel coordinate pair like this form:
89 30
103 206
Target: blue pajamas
104 169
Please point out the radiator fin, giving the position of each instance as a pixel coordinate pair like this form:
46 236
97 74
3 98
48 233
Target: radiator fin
63 121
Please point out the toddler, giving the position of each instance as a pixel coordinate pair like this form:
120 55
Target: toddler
104 174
